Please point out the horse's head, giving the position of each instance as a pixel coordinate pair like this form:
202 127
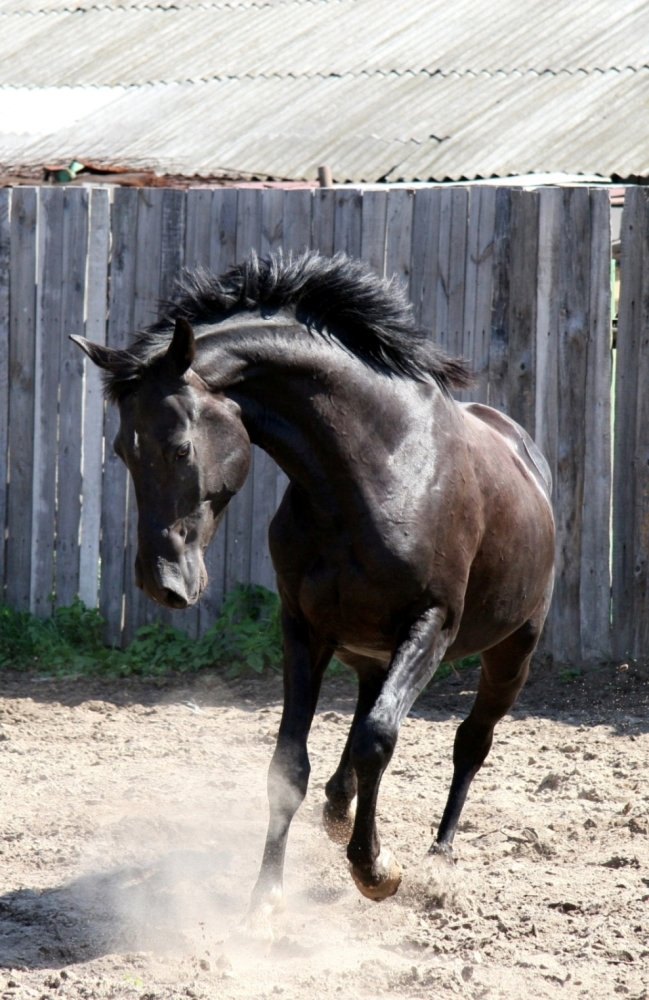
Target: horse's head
187 452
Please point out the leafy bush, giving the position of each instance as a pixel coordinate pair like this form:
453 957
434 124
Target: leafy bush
245 636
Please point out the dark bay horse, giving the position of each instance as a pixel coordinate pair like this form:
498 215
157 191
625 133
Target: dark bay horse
414 529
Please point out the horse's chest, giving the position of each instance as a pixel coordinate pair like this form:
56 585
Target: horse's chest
352 606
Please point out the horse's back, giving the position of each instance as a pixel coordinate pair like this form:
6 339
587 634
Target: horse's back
518 439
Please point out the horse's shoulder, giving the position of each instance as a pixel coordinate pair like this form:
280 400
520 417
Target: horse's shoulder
517 437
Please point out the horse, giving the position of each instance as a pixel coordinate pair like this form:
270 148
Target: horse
415 529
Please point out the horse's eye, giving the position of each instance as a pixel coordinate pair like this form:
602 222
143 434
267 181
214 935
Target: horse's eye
184 450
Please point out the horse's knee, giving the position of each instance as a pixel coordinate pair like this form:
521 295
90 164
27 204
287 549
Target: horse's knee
372 747
288 777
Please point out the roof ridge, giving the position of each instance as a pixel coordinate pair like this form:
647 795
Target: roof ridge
164 5
326 75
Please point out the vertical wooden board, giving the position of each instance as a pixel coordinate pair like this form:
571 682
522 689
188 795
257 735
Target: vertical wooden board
470 340
198 228
172 244
456 273
631 444
499 338
521 312
271 237
595 584
223 250
424 256
48 339
69 483
398 236
249 217
546 428
114 493
479 287
22 329
323 221
639 635
298 206
348 215
626 390
93 404
373 229
5 244
442 271
574 297
547 347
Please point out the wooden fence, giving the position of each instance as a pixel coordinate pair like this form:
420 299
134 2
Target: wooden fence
517 281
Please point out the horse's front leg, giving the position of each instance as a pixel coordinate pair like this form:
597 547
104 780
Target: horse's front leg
340 790
305 660
374 737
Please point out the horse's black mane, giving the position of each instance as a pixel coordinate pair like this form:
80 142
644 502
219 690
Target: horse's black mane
338 297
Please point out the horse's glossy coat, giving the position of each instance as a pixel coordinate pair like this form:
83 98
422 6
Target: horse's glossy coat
414 529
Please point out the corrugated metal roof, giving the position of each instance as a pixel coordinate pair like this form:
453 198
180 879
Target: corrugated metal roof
273 88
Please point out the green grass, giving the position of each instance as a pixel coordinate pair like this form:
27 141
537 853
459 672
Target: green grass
245 639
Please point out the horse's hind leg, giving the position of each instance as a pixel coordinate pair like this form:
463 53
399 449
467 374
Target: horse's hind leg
305 661
504 671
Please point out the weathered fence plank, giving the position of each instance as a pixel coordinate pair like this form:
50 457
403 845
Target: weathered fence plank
574 299
499 339
5 258
323 216
22 346
595 567
48 339
69 483
93 410
479 288
631 452
546 422
455 277
373 229
423 256
398 235
296 228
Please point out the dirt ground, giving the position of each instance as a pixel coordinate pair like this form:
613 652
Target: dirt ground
133 816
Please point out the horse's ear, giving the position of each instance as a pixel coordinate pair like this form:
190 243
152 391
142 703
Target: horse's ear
103 357
182 349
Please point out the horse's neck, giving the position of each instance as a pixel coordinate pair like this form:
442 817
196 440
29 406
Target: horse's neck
324 415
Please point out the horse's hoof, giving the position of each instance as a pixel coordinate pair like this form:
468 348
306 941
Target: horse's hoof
442 851
385 878
442 888
339 828
256 929
257 925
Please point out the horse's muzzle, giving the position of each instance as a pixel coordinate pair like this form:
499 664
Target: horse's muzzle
165 584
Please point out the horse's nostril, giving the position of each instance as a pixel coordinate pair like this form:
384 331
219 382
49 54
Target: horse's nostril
174 600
